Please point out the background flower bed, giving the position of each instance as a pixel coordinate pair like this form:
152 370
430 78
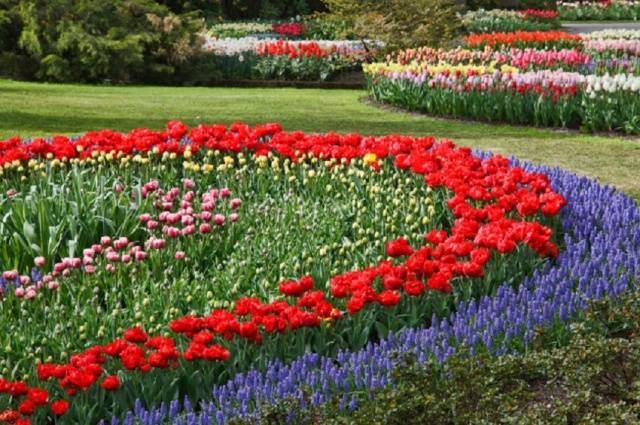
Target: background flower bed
600 10
519 78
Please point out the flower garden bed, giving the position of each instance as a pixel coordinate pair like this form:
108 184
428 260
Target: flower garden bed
145 276
262 59
497 20
163 290
549 79
600 259
601 10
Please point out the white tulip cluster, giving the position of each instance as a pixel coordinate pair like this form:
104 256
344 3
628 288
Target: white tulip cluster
612 34
611 84
237 46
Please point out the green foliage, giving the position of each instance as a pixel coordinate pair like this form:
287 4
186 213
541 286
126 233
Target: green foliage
92 40
504 21
399 23
510 4
319 28
537 4
593 377
280 67
482 4
616 11
247 9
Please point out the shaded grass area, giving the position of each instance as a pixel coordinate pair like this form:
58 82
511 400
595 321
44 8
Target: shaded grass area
30 109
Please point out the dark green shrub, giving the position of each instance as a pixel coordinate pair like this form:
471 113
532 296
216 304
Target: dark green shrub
94 41
483 4
537 4
248 9
398 23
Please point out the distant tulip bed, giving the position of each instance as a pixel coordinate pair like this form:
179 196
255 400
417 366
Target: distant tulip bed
538 78
291 51
599 10
156 264
480 21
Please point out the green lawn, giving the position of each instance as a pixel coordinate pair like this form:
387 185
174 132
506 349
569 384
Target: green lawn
30 109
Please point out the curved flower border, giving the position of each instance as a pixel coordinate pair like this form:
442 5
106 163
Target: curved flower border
491 202
601 259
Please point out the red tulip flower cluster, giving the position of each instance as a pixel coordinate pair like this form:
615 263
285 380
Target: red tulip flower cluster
289 29
541 14
306 49
523 39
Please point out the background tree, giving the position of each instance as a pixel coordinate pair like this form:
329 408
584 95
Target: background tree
398 23
94 40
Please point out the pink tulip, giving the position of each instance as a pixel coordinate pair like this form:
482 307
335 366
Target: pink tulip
105 241
173 218
118 188
180 255
235 203
53 285
20 292
140 255
152 225
31 293
158 243
208 206
188 197
189 230
113 257
10 275
90 269
66 273
144 218
39 261
205 228
219 219
234 217
121 243
206 216
173 232
24 280
126 258
225 192
188 184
